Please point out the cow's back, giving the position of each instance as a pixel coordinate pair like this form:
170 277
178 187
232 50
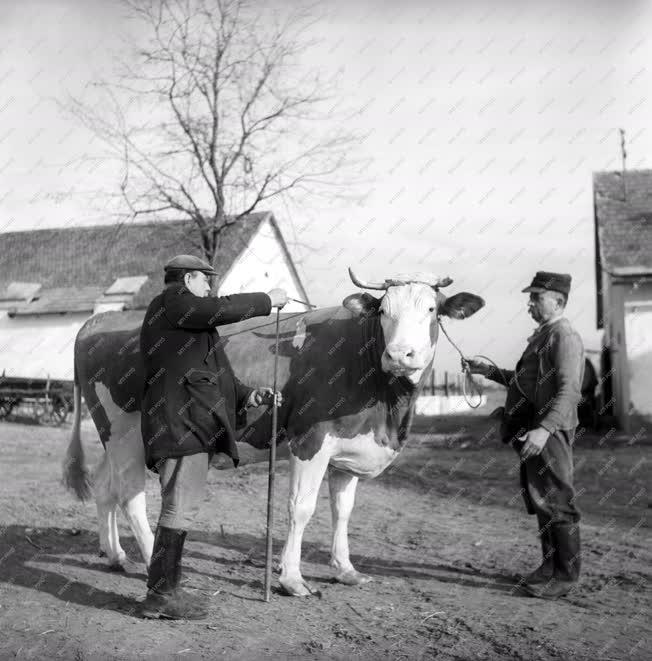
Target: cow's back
313 346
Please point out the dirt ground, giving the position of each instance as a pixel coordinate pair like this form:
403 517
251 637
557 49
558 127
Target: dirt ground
442 532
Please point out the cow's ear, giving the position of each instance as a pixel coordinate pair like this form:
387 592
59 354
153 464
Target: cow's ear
361 304
459 306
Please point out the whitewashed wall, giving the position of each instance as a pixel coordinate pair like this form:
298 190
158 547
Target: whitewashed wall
39 346
261 267
638 338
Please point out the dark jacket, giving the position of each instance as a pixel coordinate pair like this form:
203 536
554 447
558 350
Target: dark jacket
191 394
557 392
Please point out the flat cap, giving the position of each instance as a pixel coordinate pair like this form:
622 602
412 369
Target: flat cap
547 281
190 262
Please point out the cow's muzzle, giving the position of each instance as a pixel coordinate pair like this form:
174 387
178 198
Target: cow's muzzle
403 361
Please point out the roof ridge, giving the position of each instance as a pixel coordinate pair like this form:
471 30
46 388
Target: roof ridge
147 223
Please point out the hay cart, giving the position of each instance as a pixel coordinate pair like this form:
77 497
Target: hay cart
47 400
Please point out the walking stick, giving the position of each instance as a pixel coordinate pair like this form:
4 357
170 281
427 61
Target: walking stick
272 469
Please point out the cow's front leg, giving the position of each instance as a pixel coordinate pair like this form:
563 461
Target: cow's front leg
342 491
305 479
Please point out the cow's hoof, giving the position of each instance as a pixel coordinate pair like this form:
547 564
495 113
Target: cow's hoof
353 578
120 564
295 587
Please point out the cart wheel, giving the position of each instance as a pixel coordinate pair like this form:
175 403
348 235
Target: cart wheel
6 406
39 412
59 410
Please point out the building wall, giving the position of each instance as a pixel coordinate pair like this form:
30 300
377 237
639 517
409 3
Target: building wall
628 334
638 338
39 346
262 267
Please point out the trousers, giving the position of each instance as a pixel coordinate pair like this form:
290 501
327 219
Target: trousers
183 484
547 480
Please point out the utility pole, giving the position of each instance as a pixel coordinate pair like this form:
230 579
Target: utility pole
623 153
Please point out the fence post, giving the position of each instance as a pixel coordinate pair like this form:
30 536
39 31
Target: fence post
446 383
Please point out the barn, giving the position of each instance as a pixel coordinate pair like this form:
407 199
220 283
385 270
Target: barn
623 261
52 280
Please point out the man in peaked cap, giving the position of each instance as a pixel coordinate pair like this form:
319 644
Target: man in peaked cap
191 402
539 420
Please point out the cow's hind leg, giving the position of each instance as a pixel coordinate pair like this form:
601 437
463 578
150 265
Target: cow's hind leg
106 513
135 510
305 479
342 488
126 471
129 475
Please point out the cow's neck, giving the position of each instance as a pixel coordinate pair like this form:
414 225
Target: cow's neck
394 396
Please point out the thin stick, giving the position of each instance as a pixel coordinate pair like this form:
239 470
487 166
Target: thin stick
296 300
272 470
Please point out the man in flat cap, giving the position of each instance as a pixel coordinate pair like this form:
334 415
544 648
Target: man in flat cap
539 420
191 401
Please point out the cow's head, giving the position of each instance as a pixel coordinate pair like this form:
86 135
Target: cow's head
408 312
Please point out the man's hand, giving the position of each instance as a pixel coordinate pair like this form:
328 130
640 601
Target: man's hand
265 396
279 297
480 367
534 441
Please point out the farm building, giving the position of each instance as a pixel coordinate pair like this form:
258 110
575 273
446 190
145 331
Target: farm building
623 259
52 280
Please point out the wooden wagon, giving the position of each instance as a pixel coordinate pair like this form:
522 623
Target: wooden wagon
48 400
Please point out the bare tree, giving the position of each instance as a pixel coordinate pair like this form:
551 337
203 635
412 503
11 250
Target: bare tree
216 114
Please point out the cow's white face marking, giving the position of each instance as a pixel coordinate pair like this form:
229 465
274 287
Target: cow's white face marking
300 336
408 316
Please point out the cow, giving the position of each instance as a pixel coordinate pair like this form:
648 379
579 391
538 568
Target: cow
349 375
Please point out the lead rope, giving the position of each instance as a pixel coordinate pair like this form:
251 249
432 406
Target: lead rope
467 371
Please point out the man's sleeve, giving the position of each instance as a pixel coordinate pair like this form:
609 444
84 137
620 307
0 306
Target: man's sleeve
190 312
567 356
242 392
242 397
501 376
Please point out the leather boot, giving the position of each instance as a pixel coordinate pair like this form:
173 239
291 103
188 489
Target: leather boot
545 571
567 557
165 599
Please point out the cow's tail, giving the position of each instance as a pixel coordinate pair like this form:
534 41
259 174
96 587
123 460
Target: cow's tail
75 474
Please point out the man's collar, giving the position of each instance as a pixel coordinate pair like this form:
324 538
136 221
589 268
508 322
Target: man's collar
545 324
544 327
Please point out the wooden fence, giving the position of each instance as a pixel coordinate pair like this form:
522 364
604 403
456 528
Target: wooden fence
450 383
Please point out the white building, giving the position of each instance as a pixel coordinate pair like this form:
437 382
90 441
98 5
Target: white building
623 257
52 280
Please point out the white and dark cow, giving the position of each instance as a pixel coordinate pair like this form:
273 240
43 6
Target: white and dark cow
349 375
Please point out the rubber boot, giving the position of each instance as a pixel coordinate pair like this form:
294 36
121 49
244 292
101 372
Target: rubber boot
567 557
165 599
545 571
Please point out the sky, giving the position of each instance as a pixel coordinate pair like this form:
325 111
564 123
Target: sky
482 124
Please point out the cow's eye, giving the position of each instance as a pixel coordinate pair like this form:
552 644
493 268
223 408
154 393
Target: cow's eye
381 311
432 309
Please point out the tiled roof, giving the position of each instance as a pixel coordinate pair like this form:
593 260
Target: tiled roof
623 214
73 264
623 227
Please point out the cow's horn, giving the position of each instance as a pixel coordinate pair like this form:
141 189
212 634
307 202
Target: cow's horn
366 285
443 282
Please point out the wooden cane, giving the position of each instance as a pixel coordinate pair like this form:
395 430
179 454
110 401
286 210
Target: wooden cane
272 470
